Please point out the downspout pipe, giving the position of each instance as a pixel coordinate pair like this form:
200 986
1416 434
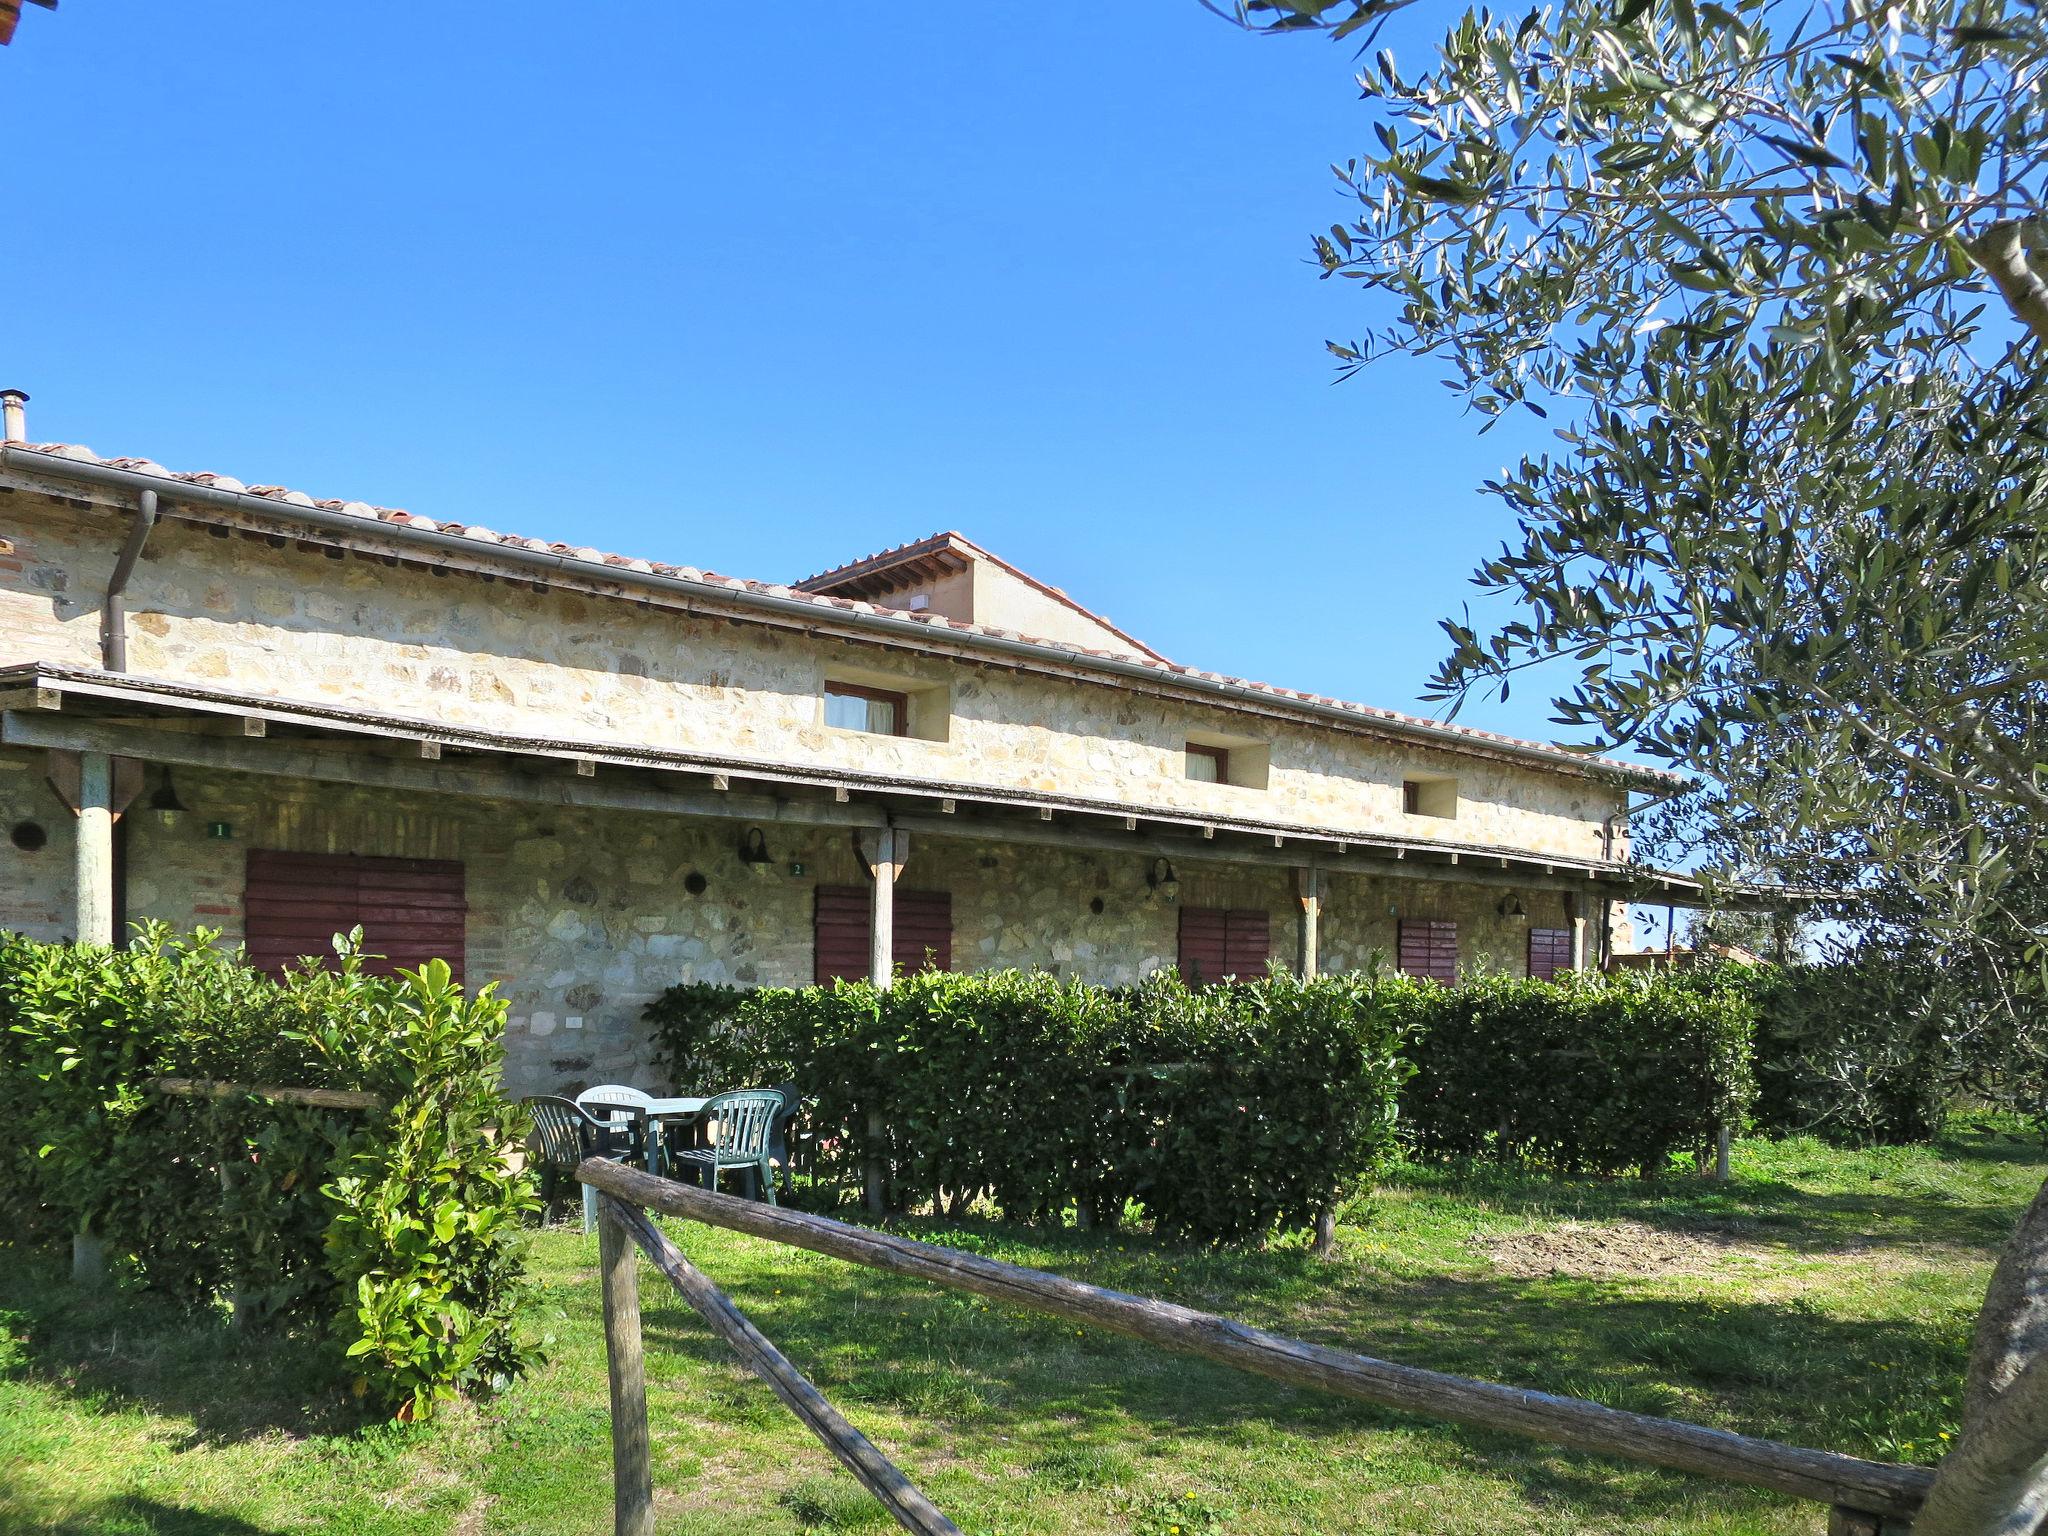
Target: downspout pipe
805 610
114 611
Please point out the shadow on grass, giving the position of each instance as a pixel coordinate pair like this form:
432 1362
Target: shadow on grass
118 1347
1762 1209
985 1376
131 1515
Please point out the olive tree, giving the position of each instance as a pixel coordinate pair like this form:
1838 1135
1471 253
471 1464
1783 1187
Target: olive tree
1772 269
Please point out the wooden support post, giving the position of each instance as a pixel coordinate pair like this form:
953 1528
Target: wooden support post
1722 1149
1308 883
1326 1233
886 851
882 907
95 873
632 1466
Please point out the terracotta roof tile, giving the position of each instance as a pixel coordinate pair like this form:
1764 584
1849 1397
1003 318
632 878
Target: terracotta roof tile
1150 660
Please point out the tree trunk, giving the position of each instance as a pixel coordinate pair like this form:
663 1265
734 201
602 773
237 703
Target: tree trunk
1995 1482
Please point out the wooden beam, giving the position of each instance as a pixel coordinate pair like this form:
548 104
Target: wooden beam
255 725
215 1088
430 751
1825 1476
336 765
870 1468
721 782
1074 833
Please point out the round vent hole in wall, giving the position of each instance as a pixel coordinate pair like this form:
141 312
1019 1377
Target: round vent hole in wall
28 836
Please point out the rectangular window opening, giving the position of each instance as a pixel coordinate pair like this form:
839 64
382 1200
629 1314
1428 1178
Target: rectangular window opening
878 711
1208 765
1430 797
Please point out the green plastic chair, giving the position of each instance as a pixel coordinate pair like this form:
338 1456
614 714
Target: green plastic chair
737 1130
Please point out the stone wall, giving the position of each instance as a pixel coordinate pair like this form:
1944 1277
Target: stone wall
296 622
583 915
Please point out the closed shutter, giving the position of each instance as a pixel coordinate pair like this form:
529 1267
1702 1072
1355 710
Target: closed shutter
1429 949
410 910
922 934
1550 952
1216 943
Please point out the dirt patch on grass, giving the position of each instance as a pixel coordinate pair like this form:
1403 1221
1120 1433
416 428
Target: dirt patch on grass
1619 1250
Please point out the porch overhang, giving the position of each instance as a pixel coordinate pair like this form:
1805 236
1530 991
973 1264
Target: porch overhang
78 709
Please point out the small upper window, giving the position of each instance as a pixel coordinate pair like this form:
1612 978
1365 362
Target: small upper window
1430 797
851 707
1208 765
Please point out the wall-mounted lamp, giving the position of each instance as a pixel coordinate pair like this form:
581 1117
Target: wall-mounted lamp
1511 906
1164 882
165 803
754 850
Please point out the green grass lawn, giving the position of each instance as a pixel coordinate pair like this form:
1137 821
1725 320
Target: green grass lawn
1823 1297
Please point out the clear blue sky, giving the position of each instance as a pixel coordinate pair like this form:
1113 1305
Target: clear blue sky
758 297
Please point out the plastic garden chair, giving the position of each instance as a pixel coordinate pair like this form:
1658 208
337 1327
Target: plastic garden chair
565 1133
593 1101
738 1127
778 1133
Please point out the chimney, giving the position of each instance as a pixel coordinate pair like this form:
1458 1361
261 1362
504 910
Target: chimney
13 419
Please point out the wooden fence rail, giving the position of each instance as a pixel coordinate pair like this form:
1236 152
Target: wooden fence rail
1862 1493
631 1469
215 1088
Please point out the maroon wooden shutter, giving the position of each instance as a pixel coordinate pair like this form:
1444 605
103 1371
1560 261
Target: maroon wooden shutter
922 937
1248 942
1215 943
410 910
923 931
1429 949
1550 952
1204 944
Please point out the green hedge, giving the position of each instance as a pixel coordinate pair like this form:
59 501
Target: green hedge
392 1234
1226 1110
1587 1074
1223 1111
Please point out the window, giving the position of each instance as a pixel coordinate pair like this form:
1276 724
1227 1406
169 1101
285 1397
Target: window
1430 797
921 936
1429 949
410 910
879 711
1216 945
1550 952
1208 765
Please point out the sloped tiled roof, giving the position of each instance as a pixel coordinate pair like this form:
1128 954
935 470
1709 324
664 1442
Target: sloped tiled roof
485 538
938 546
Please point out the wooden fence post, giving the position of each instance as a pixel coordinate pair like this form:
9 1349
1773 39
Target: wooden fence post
632 1469
1722 1149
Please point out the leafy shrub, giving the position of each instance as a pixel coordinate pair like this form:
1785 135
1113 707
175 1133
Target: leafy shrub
1584 1074
393 1233
1860 1051
1223 1110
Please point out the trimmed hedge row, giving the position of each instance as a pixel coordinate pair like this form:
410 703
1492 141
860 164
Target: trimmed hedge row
1224 1110
393 1234
1587 1074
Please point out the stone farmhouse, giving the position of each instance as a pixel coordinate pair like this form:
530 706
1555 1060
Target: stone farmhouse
589 776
